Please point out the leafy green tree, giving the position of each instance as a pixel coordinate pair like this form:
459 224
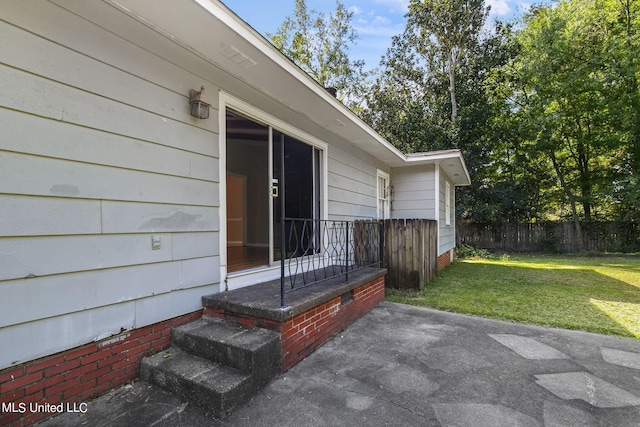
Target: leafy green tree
436 93
320 46
622 56
414 102
547 116
505 184
442 33
576 89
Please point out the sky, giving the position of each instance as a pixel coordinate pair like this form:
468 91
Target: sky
376 21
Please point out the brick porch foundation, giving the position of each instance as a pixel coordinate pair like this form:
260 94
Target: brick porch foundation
304 330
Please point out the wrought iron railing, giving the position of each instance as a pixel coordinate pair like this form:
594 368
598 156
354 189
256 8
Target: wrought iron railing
315 250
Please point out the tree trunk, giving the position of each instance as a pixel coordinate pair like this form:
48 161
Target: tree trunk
585 179
452 86
572 201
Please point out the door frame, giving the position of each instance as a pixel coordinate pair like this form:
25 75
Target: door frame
240 279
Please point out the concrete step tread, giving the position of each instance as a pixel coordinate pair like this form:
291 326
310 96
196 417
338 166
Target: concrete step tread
218 389
215 377
228 333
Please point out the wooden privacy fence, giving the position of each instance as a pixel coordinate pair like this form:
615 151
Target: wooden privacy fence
552 237
411 252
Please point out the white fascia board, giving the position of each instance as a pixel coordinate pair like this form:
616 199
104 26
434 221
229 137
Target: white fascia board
434 156
163 18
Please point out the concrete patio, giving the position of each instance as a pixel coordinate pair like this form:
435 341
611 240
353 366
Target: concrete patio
402 365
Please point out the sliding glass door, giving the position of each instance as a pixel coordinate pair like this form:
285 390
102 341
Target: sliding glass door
270 175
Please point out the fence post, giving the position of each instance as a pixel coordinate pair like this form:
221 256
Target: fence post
346 258
282 248
381 243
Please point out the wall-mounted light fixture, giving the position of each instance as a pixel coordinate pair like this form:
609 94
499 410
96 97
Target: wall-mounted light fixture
199 104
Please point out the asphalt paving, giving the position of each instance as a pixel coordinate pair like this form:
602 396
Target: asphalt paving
412 366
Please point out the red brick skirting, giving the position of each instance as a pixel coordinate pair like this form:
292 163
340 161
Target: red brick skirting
301 334
74 376
445 259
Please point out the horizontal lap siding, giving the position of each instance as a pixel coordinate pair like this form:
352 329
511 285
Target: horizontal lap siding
352 186
44 137
34 175
413 194
91 289
98 154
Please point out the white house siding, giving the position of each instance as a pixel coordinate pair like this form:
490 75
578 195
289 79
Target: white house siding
352 184
413 194
98 155
447 233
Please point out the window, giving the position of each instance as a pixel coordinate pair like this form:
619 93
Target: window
383 195
447 203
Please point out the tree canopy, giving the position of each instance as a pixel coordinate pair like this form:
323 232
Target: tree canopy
546 110
574 83
320 46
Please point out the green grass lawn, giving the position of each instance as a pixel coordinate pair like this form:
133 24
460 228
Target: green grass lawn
596 294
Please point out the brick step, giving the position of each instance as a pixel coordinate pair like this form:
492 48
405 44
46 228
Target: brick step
251 350
216 388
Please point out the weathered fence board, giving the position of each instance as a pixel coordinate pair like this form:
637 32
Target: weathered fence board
552 237
410 252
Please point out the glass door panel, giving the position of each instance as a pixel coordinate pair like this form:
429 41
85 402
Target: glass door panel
295 171
270 175
247 203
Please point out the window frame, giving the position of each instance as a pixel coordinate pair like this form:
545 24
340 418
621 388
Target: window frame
383 202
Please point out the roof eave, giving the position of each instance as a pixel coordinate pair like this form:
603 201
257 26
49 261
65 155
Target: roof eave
291 89
450 161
